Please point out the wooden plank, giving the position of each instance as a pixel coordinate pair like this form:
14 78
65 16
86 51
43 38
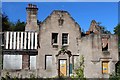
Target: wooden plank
105 67
7 39
21 40
63 67
29 40
18 40
25 39
14 42
35 40
32 40
11 40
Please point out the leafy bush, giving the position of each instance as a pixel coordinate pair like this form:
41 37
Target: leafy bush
79 72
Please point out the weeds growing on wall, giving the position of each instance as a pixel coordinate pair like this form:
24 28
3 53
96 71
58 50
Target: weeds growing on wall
115 75
79 72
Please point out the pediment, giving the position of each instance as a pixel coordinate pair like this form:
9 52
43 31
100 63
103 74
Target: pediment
60 17
64 52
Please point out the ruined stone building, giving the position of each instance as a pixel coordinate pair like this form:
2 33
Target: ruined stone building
53 48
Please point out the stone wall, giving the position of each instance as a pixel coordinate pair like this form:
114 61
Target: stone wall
49 26
91 48
20 73
25 61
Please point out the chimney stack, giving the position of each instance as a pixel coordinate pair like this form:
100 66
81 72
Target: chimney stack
31 18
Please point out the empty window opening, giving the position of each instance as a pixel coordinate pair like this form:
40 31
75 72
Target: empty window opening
64 38
104 44
105 48
54 38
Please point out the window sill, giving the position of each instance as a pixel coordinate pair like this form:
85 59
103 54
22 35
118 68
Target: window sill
55 44
12 70
106 52
65 44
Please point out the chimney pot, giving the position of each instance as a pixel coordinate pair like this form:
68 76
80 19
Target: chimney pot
33 6
28 5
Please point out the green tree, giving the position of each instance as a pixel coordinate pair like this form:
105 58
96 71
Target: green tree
103 28
5 23
10 26
118 70
117 31
19 26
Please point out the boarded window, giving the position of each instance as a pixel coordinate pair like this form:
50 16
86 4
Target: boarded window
54 38
12 62
48 62
105 67
63 67
76 60
64 38
32 62
7 40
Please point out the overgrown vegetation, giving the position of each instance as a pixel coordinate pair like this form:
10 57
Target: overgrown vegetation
32 77
116 75
103 28
79 72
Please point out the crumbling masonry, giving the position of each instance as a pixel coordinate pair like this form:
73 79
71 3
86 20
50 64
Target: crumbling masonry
53 48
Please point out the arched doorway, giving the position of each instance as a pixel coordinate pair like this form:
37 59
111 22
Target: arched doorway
63 58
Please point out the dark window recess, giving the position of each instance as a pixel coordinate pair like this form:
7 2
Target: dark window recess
27 40
54 37
60 21
38 46
105 48
64 38
3 38
105 44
